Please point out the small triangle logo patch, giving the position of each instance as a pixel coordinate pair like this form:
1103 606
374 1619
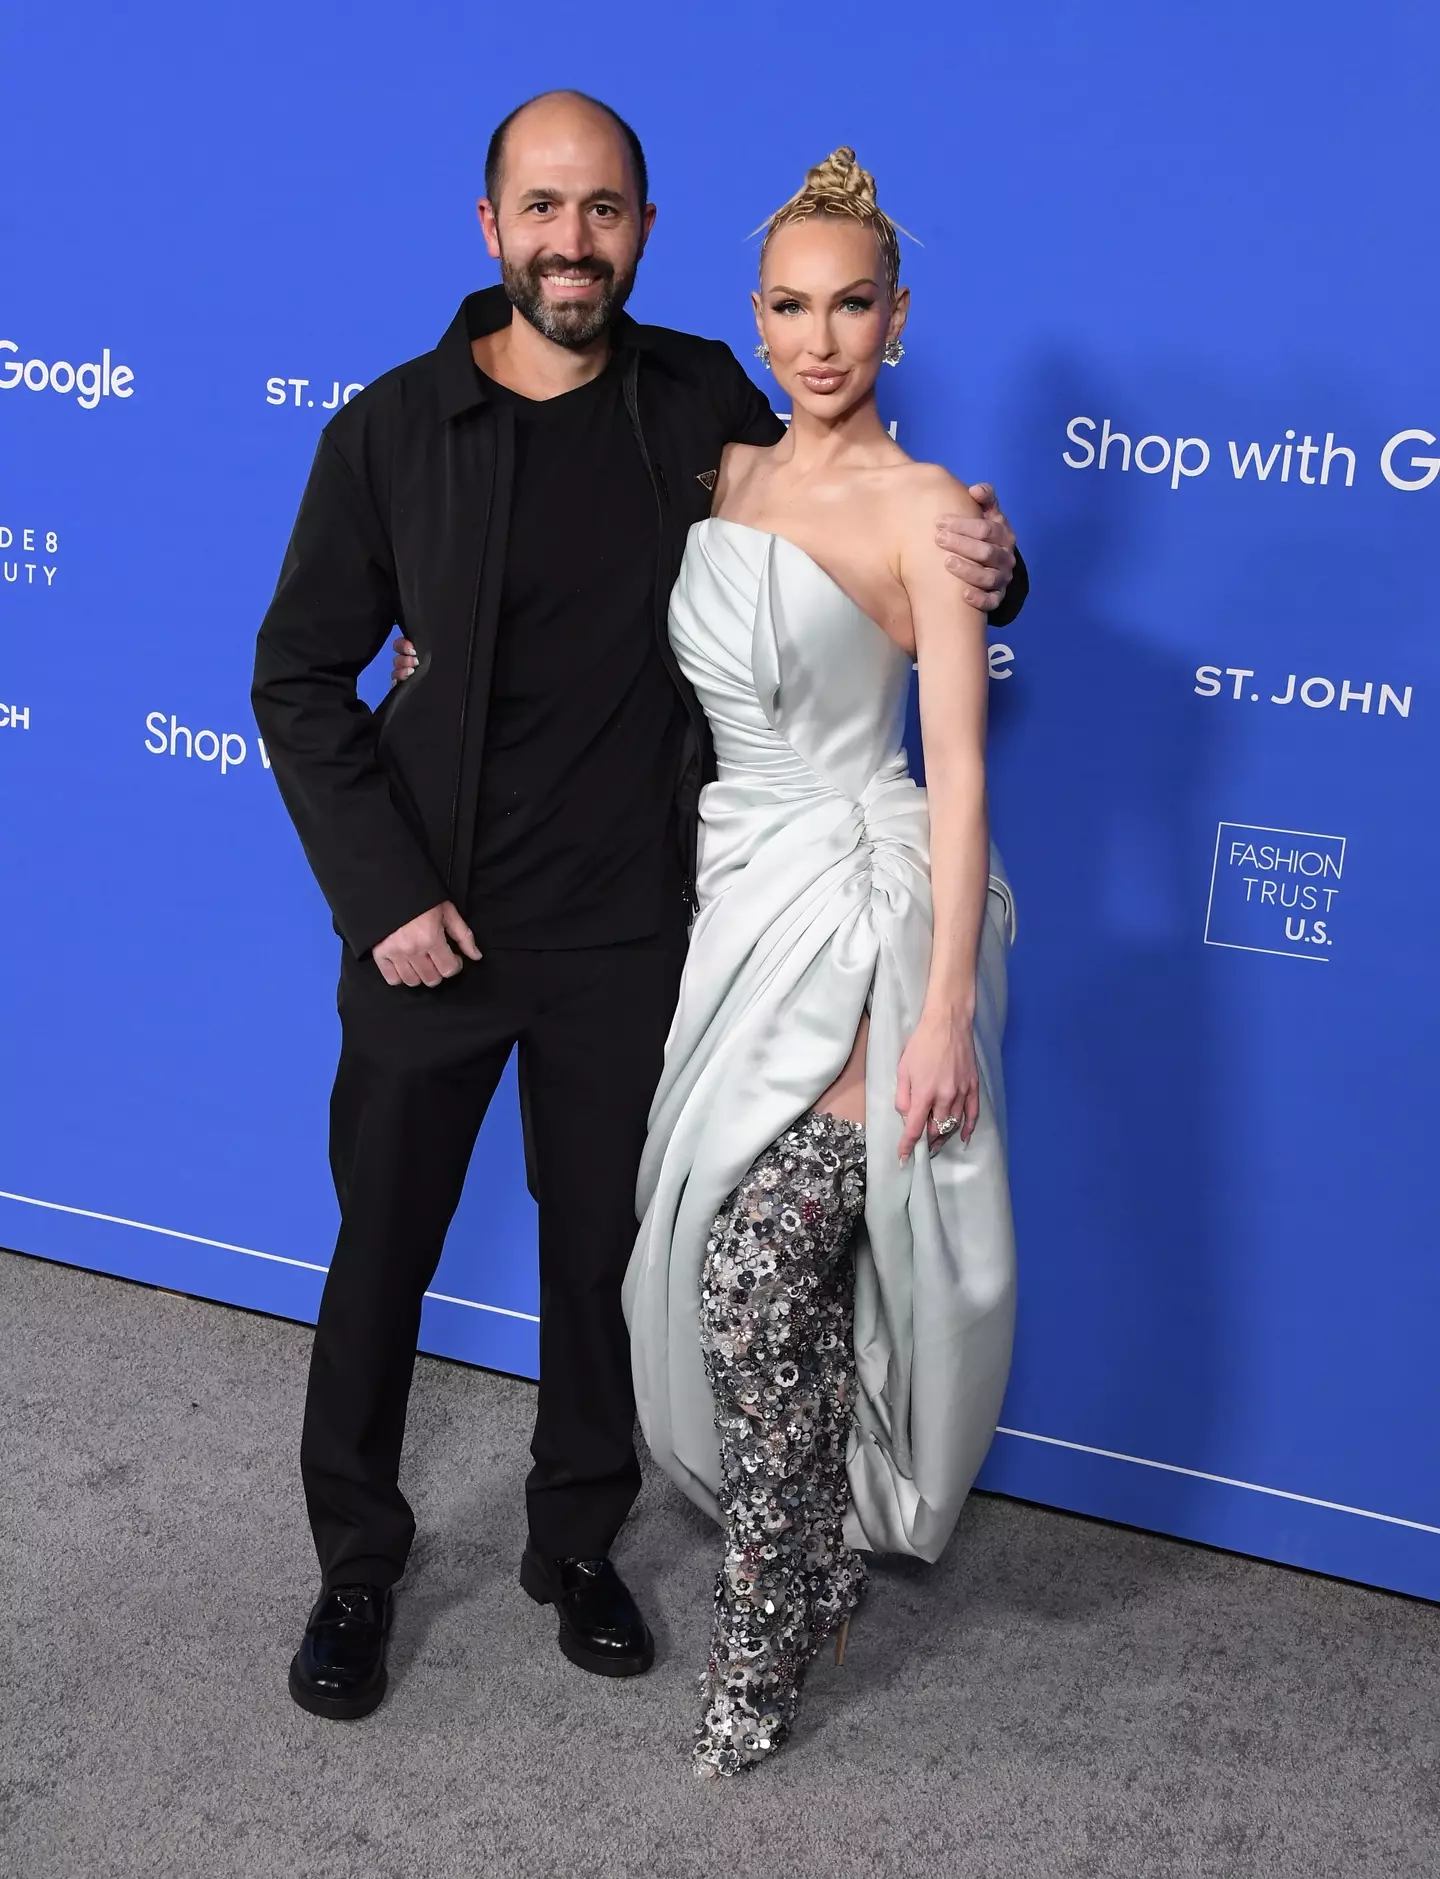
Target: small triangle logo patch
707 477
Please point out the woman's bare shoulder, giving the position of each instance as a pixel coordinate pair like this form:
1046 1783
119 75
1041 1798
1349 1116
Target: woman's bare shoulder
931 484
736 463
734 456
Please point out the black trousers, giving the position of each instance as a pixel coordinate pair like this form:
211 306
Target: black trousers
417 1070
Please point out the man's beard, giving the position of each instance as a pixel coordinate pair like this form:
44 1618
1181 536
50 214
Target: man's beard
566 322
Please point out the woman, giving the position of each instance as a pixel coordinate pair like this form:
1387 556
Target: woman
824 1179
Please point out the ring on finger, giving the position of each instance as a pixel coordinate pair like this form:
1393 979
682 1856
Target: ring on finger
948 1126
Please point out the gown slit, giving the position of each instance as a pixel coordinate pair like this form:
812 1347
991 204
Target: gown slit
841 1097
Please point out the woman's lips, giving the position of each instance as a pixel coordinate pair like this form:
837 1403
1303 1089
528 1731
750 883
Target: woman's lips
821 381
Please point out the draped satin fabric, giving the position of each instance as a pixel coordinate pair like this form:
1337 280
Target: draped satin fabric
815 905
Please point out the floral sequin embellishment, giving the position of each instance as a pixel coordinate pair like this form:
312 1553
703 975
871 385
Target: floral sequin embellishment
777 1335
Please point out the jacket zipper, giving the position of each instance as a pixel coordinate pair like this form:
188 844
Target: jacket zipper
657 483
469 676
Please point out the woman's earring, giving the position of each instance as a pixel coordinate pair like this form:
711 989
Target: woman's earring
894 352
762 353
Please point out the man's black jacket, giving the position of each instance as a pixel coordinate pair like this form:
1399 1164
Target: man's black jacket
404 522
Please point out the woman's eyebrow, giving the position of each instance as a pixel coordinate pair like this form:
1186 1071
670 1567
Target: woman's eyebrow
793 293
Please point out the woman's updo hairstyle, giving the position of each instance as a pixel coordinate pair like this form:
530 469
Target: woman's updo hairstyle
839 186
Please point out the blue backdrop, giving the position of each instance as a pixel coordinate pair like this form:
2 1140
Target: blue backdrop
1176 298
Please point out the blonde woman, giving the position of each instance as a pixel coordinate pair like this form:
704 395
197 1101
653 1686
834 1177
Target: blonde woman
824 1179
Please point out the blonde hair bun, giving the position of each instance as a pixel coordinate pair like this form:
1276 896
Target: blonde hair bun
841 174
839 186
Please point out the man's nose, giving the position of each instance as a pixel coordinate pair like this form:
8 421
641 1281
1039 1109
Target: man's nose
573 235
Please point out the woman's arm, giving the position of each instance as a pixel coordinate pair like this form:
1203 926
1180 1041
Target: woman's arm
938 1073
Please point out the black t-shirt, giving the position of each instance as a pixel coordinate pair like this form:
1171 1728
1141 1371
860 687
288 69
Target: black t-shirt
576 841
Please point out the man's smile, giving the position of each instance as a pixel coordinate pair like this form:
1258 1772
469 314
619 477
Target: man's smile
571 286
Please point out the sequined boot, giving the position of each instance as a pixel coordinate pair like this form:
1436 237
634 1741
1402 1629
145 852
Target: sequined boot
835 1573
776 1332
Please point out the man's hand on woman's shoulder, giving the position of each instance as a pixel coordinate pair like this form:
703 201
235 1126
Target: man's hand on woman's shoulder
979 549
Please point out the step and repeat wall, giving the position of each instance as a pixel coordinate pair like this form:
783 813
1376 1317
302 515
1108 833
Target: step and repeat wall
1173 293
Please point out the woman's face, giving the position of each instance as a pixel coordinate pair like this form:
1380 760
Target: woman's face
825 311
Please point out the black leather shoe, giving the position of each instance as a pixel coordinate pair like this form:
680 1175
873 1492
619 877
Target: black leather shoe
600 1624
339 1669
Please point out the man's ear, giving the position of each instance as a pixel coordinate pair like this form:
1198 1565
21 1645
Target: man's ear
647 222
485 209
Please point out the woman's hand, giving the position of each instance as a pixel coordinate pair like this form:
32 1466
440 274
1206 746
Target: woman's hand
406 660
939 1078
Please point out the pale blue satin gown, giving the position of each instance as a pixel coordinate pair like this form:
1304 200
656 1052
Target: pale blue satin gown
814 903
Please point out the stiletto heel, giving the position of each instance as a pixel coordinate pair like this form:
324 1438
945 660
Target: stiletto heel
841 1639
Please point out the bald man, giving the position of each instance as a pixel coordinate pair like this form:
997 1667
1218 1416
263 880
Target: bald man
508 844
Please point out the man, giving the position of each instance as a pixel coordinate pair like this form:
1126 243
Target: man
507 844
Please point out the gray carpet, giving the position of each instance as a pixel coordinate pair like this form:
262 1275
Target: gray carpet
1057 1698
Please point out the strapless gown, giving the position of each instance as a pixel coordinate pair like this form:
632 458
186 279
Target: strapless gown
814 889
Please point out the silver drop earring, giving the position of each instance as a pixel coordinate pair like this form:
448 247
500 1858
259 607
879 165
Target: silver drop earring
894 352
762 353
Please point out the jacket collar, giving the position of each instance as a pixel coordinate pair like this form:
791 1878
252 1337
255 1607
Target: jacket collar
461 386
